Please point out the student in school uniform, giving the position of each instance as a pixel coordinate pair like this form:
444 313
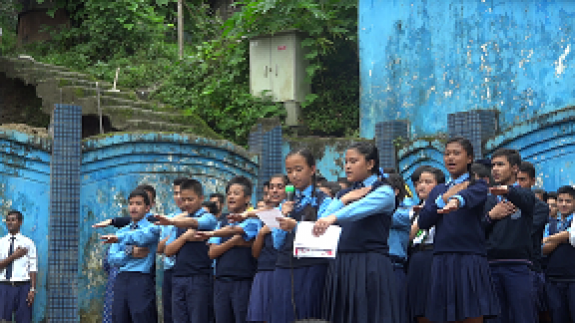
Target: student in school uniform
360 284
508 226
192 280
398 240
461 288
18 271
260 307
424 179
235 265
218 198
560 272
134 290
298 283
122 221
526 179
169 262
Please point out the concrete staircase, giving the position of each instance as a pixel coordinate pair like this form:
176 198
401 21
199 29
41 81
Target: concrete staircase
125 110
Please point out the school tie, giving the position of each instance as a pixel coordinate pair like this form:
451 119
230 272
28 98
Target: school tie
10 252
134 226
358 185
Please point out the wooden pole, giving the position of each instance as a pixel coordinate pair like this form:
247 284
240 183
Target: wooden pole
181 28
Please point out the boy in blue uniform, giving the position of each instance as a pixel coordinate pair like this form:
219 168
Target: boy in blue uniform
134 290
560 272
509 224
235 265
192 272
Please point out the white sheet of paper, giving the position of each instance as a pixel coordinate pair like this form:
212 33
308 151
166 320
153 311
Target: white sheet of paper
308 245
269 217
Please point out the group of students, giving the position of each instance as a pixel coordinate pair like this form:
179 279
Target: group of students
480 246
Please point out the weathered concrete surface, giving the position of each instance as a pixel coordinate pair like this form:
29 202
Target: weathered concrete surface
421 60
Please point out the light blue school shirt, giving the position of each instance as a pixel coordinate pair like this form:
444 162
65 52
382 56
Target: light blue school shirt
146 235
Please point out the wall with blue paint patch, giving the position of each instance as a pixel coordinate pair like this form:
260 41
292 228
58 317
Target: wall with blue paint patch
25 186
113 166
422 60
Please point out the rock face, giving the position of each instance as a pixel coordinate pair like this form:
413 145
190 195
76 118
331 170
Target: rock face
123 110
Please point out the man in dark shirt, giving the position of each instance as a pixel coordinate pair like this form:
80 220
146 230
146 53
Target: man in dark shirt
526 179
509 223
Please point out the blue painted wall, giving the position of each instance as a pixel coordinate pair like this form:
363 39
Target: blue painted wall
421 60
113 166
25 186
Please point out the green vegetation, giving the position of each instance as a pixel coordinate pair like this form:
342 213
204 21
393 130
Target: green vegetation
212 81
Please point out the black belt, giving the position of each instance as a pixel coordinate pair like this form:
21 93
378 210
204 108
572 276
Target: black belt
424 247
20 283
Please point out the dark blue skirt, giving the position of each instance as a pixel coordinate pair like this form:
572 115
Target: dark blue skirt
418 280
261 297
461 288
360 287
302 287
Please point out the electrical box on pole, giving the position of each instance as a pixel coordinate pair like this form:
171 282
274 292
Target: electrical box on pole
278 69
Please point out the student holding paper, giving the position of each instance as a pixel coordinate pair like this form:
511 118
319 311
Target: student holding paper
260 308
298 282
360 285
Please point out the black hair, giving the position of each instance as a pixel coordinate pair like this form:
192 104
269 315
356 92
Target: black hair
436 172
369 151
343 180
333 187
480 170
266 184
527 168
389 170
540 191
193 185
549 195
212 207
321 180
178 181
397 183
219 196
148 188
284 178
465 144
567 189
140 192
18 215
244 182
512 156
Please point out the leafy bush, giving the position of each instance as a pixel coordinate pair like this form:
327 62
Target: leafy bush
212 80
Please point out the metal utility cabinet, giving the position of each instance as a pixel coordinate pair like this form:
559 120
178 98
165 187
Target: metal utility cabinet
278 69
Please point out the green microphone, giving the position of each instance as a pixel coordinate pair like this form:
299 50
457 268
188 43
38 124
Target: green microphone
290 192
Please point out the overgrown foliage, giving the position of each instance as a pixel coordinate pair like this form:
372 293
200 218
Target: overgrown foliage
212 80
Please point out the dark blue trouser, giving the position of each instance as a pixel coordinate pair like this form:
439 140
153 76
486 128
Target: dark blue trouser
13 301
192 300
231 300
134 298
561 301
167 296
514 286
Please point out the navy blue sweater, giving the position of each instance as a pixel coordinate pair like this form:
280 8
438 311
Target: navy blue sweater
460 231
561 262
510 237
540 219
